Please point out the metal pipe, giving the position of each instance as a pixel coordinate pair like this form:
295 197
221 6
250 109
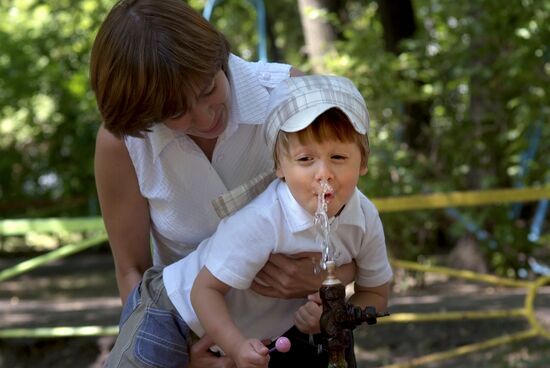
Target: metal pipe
339 318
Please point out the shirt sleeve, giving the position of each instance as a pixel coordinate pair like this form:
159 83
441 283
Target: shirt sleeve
373 266
240 247
271 74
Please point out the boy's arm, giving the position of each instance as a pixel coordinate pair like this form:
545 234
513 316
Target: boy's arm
307 318
207 297
371 296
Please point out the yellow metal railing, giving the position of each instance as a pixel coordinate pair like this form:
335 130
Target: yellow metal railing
405 203
527 312
461 199
51 226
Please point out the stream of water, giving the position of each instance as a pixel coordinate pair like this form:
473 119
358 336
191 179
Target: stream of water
323 226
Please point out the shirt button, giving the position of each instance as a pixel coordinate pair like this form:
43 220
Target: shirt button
265 75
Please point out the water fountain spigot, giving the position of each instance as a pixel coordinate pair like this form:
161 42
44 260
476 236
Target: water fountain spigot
339 318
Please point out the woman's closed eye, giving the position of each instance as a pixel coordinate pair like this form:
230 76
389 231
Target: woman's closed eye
177 115
209 90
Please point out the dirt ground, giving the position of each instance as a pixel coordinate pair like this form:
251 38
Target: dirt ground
81 291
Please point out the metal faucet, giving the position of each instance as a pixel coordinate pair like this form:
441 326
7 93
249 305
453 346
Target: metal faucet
339 318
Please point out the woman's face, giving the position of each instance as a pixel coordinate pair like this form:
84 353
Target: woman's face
208 117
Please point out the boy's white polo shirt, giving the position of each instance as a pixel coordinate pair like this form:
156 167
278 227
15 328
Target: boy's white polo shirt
275 223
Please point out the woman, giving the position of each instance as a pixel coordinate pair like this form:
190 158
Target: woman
182 121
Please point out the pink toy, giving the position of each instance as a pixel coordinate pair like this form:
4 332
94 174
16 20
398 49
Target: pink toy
282 345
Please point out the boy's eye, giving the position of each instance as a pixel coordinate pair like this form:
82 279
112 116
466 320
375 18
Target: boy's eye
338 157
303 159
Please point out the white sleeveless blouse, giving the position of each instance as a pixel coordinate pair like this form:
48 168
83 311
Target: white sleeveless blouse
180 182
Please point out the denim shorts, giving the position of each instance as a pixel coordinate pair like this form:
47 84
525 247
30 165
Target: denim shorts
152 333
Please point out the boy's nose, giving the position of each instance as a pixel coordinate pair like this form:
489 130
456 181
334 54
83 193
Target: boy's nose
324 172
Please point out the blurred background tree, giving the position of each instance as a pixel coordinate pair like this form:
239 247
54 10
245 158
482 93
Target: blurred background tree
457 93
48 117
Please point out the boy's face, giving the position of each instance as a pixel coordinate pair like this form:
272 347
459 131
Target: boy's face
304 166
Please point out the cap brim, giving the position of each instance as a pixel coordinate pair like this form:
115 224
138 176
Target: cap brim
304 118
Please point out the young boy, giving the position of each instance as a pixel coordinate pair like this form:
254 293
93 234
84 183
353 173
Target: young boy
317 129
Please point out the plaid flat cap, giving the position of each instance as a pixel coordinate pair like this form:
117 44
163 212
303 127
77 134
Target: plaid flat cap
297 102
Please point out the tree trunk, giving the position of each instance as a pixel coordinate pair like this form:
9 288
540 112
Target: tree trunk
319 34
482 110
398 22
397 18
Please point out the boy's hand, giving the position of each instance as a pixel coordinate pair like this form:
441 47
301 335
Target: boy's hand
308 317
202 357
252 354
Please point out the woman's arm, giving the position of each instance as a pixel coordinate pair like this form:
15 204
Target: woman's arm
125 212
207 297
293 276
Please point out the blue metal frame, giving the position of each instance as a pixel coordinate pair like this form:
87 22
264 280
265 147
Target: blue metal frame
528 155
260 23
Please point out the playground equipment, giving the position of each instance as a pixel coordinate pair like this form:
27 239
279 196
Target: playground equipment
536 327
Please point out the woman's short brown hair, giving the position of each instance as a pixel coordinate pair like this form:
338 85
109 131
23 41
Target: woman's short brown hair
332 124
149 61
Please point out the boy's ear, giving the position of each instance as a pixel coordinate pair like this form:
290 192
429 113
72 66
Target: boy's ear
364 170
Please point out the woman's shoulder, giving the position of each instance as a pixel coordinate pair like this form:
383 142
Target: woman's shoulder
267 74
108 143
112 165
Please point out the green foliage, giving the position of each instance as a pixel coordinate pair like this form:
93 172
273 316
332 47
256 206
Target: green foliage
48 117
237 19
481 68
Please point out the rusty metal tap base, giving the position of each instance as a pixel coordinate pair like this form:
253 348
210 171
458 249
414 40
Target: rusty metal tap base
339 318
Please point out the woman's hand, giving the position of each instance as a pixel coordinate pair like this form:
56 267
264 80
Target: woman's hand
293 276
202 357
308 317
288 276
